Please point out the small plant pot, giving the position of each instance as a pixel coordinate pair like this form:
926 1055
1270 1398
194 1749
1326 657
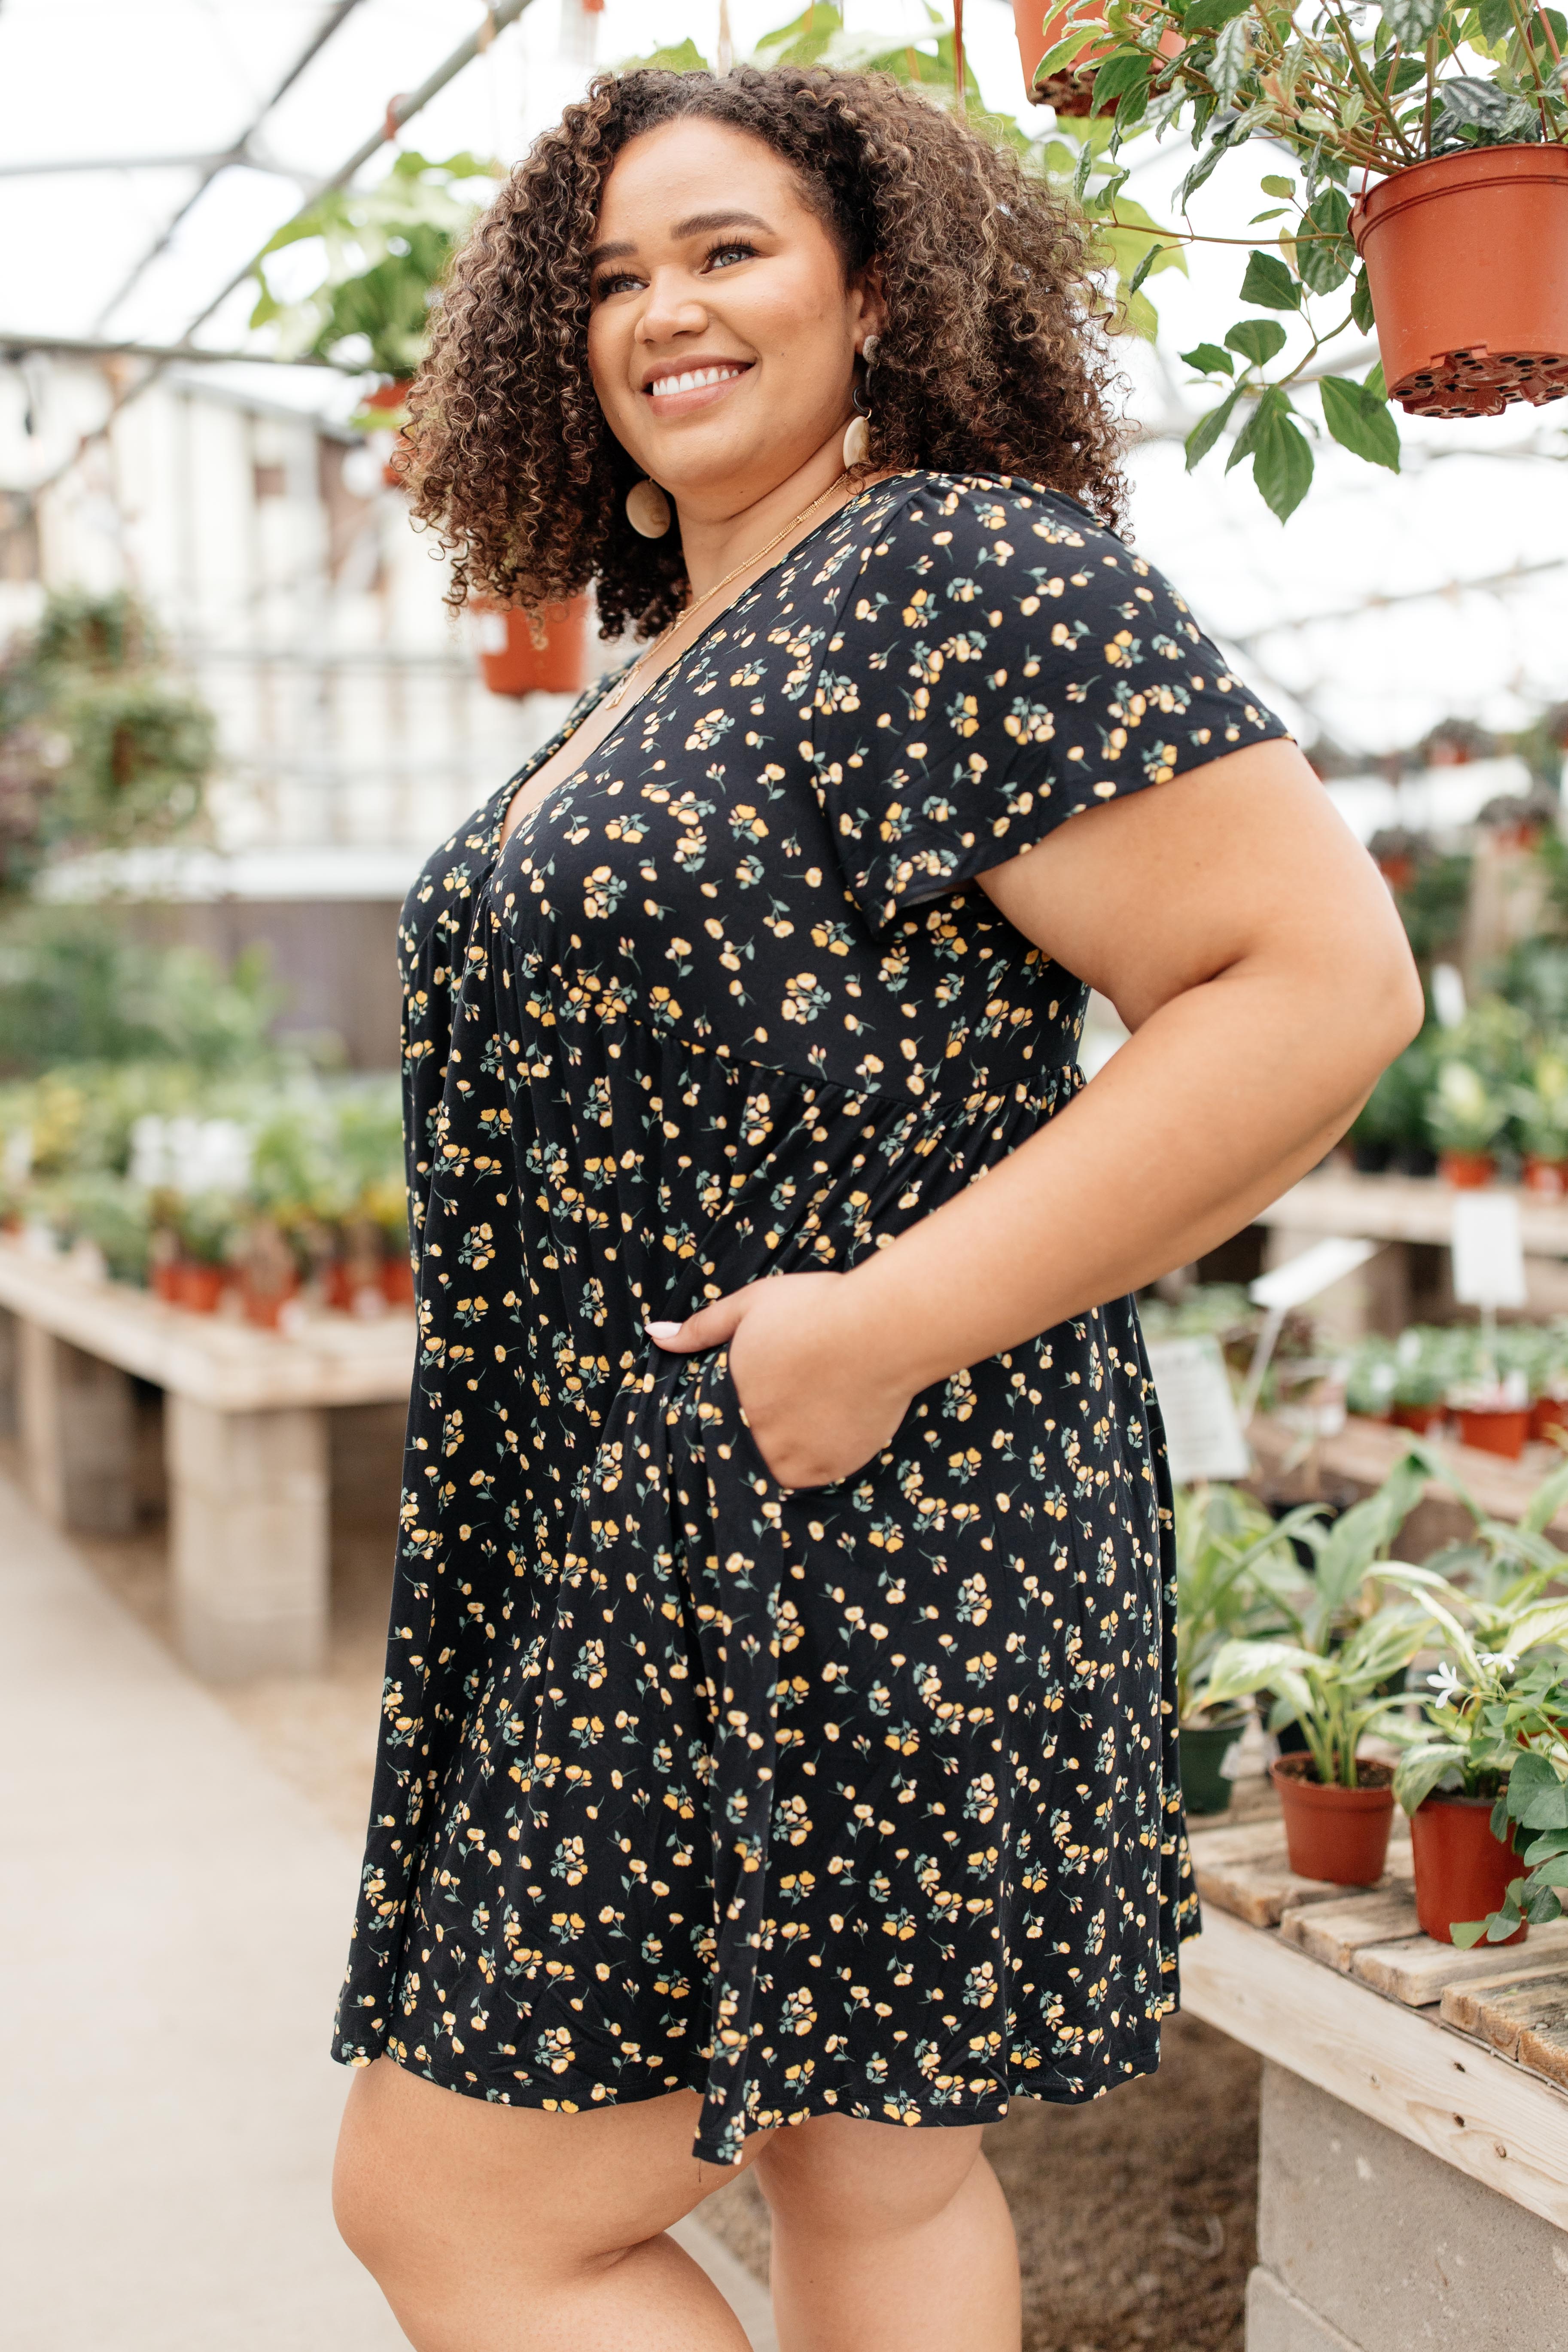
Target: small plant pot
1549 1420
391 396
1467 258
199 1288
397 1281
164 1281
1337 1834
1420 1418
1501 1433
1462 1872
265 1308
511 664
1548 1178
1204 1748
1466 1172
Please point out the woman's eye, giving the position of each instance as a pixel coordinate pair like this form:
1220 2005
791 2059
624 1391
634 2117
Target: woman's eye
613 281
722 255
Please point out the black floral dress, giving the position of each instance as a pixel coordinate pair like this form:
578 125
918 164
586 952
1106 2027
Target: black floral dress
860 1797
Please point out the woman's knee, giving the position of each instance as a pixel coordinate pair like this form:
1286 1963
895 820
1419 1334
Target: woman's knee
840 2175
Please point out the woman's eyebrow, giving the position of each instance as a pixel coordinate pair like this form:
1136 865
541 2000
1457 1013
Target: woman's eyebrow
700 223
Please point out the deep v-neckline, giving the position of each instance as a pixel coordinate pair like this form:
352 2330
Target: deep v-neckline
504 836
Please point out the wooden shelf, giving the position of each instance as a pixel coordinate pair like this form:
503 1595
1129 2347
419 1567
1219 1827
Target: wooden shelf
228 1367
1454 2051
1404 1209
1364 1451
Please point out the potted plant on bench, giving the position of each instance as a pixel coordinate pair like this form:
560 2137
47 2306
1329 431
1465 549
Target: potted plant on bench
1232 1560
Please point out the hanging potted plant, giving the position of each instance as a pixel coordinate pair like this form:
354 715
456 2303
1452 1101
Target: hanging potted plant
1070 91
514 660
1464 1117
1231 1556
1430 183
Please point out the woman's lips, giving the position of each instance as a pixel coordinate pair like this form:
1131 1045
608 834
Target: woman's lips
678 393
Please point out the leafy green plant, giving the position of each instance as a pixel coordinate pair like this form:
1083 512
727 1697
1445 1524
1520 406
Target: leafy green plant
76 987
1535 1797
1338 90
100 748
1234 1568
1333 1668
385 250
1539 1107
1463 1112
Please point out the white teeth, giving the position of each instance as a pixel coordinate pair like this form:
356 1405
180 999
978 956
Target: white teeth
693 380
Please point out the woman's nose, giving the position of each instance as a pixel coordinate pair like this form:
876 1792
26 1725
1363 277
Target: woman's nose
669 308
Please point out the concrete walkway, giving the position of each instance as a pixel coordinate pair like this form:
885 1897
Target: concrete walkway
175 1924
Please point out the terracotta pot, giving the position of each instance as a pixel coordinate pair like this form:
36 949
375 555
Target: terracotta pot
1071 93
397 1281
1547 1177
1462 1872
1501 1433
390 395
1204 1748
1418 1417
1337 1834
1548 1417
1467 261
265 1308
199 1288
165 1282
1466 1172
509 661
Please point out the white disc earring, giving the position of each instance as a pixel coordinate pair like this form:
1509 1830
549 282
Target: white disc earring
648 510
856 442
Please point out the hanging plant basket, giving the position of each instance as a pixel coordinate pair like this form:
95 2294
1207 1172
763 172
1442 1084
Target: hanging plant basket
1467 258
509 661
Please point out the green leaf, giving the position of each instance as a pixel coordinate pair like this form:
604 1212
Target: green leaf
1269 284
1273 185
1547 1621
1232 58
1412 22
1257 339
1361 425
1374 387
1144 267
1422 1769
1497 19
1212 16
1200 171
1208 429
1360 303
1466 1933
1324 253
1281 458
1209 360
1125 70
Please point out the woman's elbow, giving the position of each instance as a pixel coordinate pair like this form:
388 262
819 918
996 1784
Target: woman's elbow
1389 1004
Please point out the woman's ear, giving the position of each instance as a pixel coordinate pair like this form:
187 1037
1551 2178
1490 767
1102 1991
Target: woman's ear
868 283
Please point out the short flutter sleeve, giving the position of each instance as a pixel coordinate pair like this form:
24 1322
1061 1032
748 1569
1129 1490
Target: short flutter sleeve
998 665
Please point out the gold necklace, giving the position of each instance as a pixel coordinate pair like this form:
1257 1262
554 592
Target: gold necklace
617 694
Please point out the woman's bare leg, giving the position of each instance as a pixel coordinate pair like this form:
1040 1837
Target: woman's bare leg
886 2240
494 2229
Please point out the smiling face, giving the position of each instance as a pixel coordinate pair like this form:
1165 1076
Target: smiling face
724 327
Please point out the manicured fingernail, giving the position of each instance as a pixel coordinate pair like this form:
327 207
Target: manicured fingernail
663 1331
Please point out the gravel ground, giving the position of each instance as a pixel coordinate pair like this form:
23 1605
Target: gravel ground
1135 2215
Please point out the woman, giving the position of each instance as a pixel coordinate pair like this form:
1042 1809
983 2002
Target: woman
779 1745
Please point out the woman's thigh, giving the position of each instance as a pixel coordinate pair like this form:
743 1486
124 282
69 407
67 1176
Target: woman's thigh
428 2180
839 2176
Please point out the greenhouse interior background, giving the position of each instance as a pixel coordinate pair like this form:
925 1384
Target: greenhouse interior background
236 714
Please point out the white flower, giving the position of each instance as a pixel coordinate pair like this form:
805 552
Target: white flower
1444 1682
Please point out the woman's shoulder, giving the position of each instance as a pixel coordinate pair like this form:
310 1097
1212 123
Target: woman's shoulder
995 540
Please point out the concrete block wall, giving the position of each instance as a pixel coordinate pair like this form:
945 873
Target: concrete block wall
1367 2243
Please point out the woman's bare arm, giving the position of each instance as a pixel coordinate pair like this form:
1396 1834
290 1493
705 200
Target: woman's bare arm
1254 953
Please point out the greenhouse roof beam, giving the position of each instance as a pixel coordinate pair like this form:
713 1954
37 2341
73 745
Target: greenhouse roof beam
209 166
400 111
208 161
94 347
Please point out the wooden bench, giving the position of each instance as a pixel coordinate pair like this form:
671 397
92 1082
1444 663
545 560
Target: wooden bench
1464 2055
244 1445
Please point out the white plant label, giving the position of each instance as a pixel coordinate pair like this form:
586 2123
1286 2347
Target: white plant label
1316 1269
1448 994
1203 1435
1488 1253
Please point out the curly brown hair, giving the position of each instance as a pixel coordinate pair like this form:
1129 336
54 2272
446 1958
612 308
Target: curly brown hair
992 360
